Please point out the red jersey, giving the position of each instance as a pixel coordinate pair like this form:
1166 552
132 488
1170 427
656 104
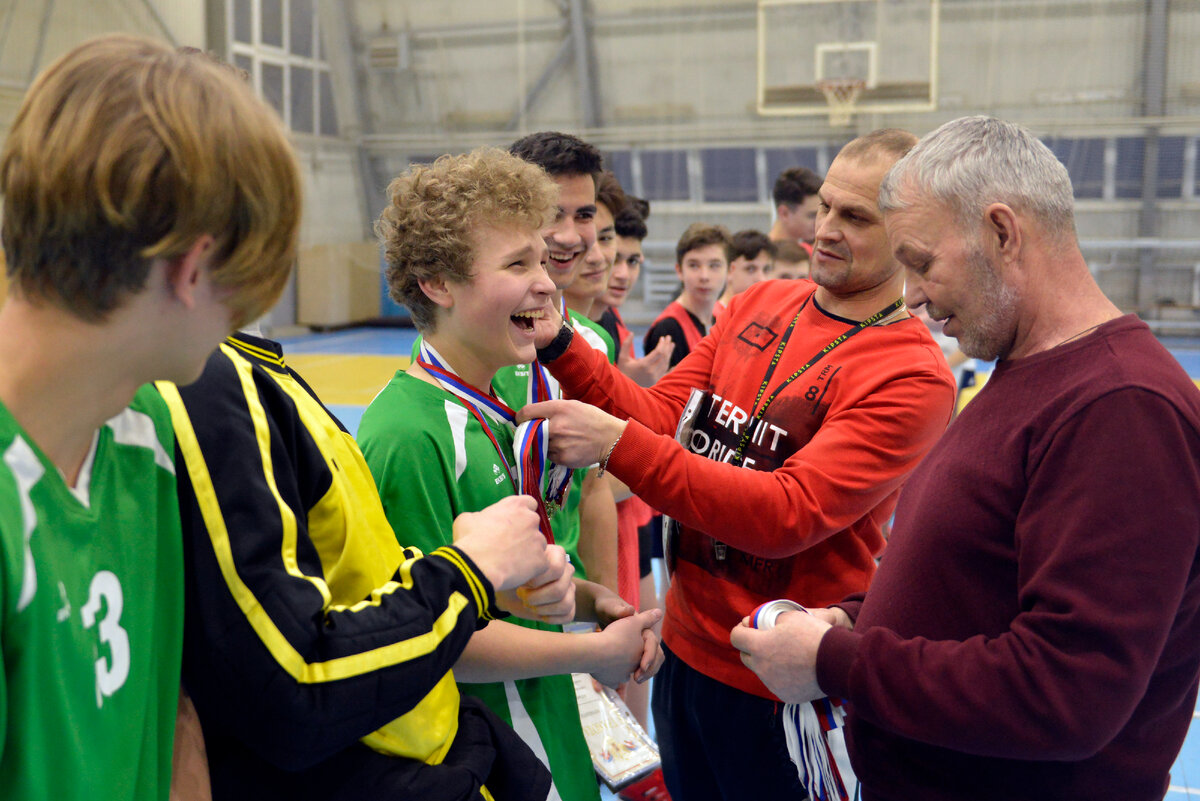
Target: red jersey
827 459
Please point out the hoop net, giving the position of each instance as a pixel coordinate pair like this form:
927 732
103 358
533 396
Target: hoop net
841 94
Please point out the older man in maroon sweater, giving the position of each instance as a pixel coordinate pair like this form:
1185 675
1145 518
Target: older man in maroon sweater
1033 631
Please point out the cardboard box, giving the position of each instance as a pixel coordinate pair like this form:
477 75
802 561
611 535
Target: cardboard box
338 284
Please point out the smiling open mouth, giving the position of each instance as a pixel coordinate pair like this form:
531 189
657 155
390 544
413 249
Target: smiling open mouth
524 320
562 260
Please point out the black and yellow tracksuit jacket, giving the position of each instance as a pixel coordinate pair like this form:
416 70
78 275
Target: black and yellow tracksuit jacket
318 651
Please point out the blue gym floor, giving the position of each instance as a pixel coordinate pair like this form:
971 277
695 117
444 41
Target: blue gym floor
347 368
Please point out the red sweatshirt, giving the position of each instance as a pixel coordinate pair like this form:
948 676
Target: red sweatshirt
1034 632
828 458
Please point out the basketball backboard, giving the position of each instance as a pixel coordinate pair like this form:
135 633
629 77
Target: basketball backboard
843 57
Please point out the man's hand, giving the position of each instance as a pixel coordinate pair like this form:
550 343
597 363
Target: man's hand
784 657
834 616
545 328
580 434
628 647
504 541
549 597
647 370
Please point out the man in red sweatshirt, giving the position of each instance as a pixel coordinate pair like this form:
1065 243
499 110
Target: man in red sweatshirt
1033 632
830 393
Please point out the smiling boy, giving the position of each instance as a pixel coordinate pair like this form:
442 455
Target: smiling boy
465 251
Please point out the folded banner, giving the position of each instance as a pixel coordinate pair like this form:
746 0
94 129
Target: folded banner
815 733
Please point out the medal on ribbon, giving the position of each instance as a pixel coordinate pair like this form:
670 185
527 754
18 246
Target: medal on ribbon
529 463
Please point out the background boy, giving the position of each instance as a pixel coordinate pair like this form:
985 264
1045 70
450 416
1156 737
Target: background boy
791 261
702 264
795 196
630 227
751 260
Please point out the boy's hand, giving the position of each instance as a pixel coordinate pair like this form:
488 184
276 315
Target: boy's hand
647 370
628 647
504 541
549 597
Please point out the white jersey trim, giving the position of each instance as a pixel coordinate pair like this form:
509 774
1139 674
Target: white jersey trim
137 429
523 725
27 471
456 417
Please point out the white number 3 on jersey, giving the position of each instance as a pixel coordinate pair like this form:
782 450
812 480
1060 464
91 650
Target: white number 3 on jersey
110 675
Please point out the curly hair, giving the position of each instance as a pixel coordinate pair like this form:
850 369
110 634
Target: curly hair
427 229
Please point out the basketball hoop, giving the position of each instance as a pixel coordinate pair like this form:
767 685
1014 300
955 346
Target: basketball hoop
841 94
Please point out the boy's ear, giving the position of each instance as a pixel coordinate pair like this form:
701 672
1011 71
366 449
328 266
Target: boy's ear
435 289
678 270
183 273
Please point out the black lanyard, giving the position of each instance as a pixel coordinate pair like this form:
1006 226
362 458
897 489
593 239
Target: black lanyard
757 416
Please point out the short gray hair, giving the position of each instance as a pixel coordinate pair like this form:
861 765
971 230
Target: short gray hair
972 162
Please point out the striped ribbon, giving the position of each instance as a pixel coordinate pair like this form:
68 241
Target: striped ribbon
531 440
814 731
816 742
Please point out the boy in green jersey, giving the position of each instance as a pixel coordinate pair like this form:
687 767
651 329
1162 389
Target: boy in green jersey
151 205
466 257
585 522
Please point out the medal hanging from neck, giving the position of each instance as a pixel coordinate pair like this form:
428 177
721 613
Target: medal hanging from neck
530 441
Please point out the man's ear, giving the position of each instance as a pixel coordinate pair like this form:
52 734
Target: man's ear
1004 229
782 211
183 273
437 290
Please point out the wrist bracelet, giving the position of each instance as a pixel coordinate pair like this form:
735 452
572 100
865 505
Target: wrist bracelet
558 346
608 454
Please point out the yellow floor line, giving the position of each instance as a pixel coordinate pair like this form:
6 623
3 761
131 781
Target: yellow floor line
345 379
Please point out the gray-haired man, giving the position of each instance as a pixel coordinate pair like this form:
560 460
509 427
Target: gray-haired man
1033 632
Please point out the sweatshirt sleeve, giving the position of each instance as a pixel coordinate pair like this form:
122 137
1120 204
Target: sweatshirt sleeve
293 673
1105 542
859 455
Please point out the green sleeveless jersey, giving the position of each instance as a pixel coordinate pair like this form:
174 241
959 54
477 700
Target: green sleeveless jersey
432 461
512 385
91 587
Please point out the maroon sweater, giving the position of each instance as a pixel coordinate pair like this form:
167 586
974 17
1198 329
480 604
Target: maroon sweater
1033 631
